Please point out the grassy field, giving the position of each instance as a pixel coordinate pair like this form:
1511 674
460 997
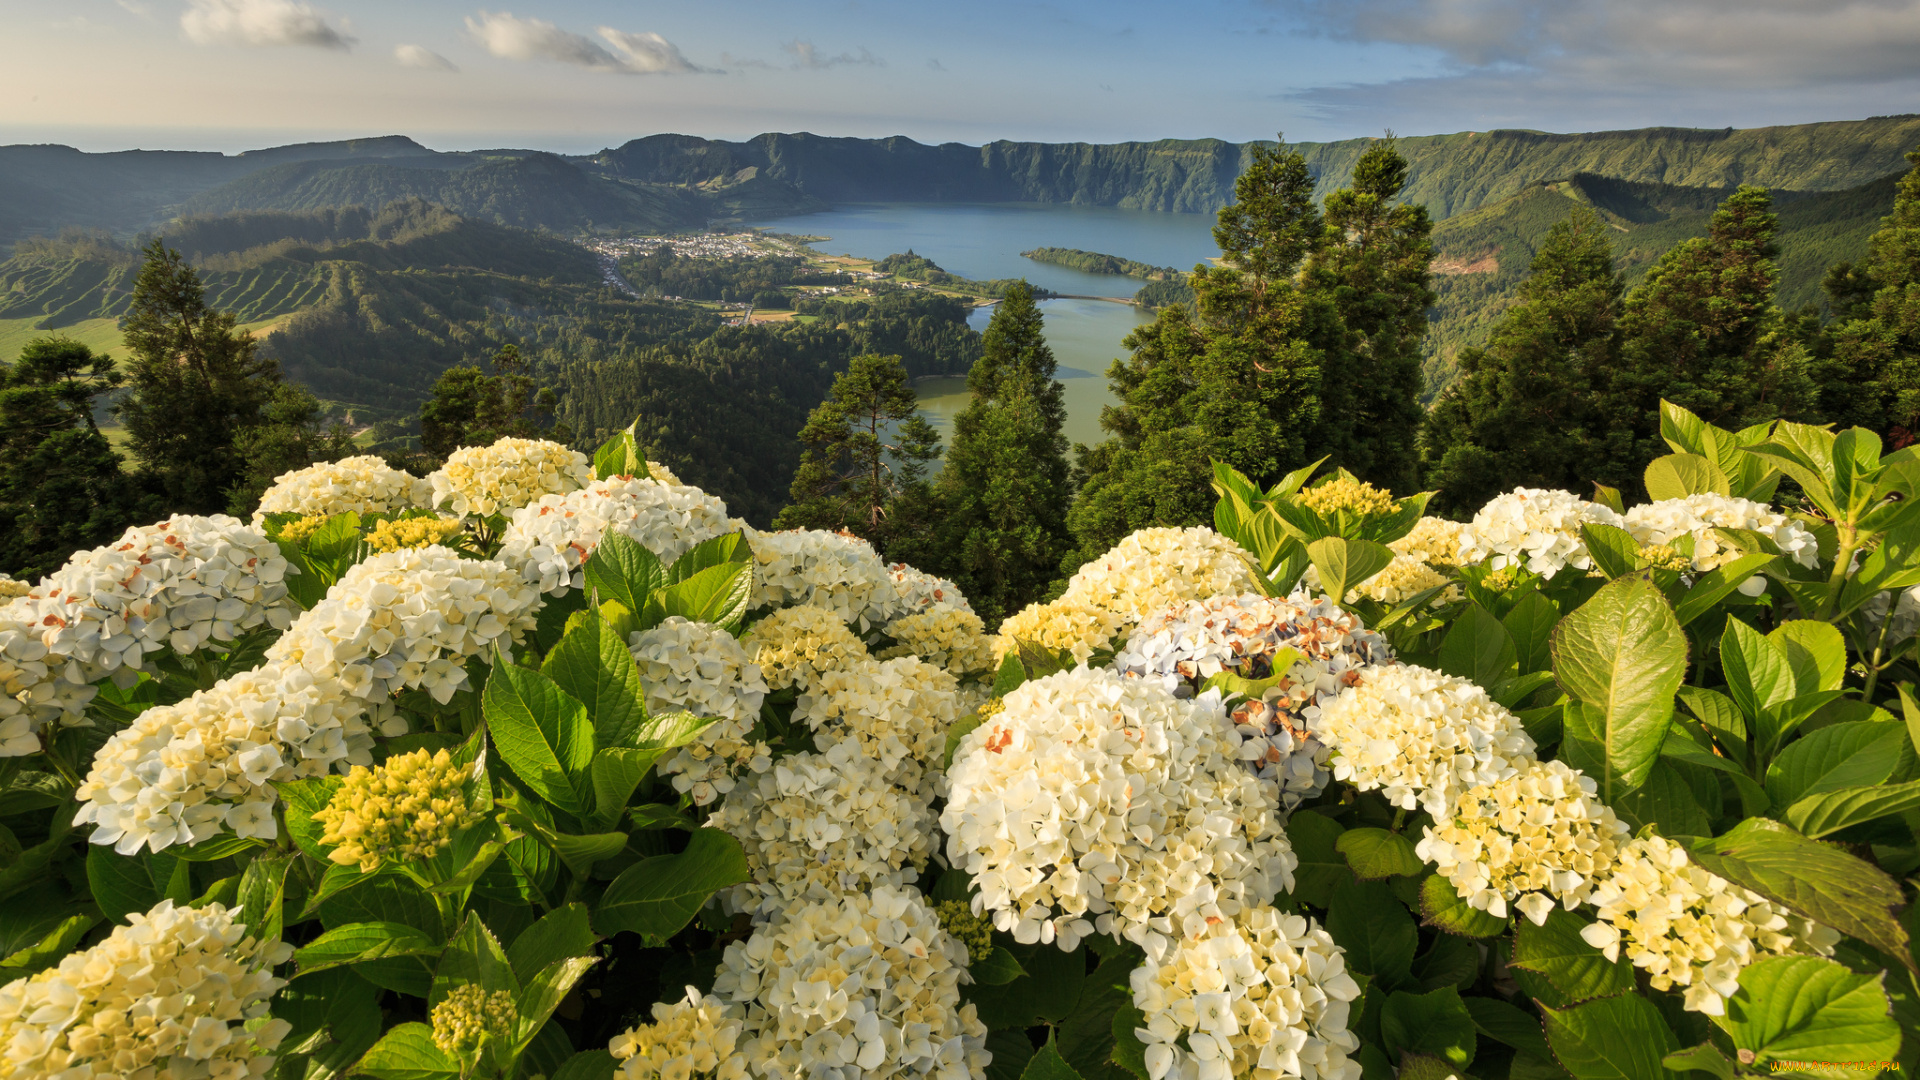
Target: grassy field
100 335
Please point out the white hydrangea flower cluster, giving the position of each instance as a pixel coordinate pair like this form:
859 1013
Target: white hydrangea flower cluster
180 992
1663 522
704 670
1093 802
1156 567
817 826
920 591
1688 928
1434 541
358 485
1534 528
410 619
836 571
857 987
1183 645
507 475
177 585
1420 736
180 773
689 1039
894 713
794 646
551 539
1527 839
1080 629
10 588
1260 995
950 637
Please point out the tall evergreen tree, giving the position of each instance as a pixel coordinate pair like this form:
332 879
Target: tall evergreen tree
1520 410
1006 486
197 383
1704 332
1872 378
472 408
1374 266
1240 379
61 487
864 468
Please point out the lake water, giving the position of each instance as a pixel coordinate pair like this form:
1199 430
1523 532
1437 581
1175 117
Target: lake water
984 242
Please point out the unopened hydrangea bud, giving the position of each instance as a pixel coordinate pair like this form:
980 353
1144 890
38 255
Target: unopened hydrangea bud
962 925
1356 498
468 1015
299 530
409 807
422 532
1664 557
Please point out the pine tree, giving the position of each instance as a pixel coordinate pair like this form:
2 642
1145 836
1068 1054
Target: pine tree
1872 378
1520 410
1006 486
61 485
472 408
1704 332
196 382
867 452
1373 265
1239 380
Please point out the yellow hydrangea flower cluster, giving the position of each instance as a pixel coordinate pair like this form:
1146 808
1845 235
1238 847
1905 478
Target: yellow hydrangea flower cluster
1688 928
1528 839
407 808
507 475
794 646
1079 629
950 637
361 485
861 985
1420 736
1344 494
895 712
179 992
1664 557
1261 995
1099 803
1434 541
392 535
1404 578
961 924
9 588
470 1014
690 1039
1156 567
300 529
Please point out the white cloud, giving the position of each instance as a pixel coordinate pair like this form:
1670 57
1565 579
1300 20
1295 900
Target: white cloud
419 56
259 22
634 53
806 55
647 53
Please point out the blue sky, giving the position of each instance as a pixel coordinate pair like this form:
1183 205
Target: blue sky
578 75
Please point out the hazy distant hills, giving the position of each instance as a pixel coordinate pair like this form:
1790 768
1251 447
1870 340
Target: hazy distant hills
679 181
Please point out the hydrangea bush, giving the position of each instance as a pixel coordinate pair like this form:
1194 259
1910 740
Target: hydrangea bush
546 767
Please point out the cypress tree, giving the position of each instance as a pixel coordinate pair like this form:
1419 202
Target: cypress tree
866 459
1872 378
197 384
61 487
1518 413
1239 379
1702 331
1006 485
1373 265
